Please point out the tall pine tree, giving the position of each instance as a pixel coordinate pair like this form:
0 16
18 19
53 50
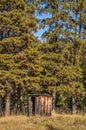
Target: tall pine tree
66 28
19 56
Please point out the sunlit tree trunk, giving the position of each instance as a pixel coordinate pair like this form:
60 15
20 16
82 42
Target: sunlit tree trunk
7 106
21 101
74 108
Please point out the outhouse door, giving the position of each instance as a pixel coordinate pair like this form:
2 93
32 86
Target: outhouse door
33 105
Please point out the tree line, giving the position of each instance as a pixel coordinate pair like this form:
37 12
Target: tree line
56 66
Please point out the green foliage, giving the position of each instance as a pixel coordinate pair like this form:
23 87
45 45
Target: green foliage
64 50
56 66
19 55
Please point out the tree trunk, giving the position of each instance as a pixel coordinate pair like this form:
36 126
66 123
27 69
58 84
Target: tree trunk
83 105
20 93
21 101
7 106
0 105
53 100
73 105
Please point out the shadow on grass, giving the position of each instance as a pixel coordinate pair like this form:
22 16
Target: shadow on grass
52 128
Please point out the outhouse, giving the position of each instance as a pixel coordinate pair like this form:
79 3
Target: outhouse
39 104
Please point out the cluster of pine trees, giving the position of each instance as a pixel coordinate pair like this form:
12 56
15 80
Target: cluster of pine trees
56 66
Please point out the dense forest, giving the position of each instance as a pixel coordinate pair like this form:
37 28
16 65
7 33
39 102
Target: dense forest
54 65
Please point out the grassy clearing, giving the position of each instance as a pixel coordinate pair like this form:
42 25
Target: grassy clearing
55 122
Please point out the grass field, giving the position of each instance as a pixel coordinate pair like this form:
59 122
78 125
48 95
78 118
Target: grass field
55 122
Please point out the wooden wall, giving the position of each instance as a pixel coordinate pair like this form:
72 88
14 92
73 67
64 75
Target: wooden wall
41 105
45 105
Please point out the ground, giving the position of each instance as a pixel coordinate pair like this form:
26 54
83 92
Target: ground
55 122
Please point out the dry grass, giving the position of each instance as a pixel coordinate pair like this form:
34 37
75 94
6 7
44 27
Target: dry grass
55 122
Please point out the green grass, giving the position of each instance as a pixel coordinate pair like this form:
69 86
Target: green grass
55 122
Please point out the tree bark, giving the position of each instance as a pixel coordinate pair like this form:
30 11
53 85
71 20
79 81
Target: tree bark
20 93
74 108
21 101
53 100
7 105
0 105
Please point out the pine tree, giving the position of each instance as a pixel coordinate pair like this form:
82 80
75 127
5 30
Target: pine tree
19 56
63 67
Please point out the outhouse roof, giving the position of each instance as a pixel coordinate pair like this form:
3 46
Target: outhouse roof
47 95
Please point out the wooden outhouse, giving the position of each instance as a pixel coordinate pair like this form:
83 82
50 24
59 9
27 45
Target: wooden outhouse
39 105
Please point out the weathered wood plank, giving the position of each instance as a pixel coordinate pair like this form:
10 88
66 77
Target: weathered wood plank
40 104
